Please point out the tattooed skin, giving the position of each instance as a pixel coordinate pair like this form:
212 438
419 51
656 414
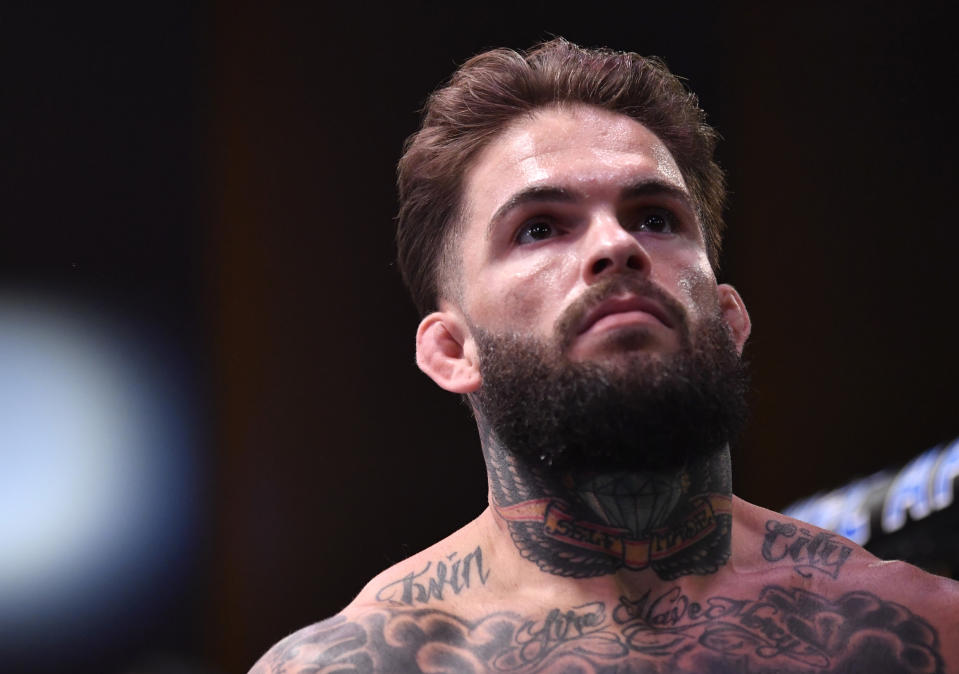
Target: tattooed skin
452 575
821 552
782 630
676 521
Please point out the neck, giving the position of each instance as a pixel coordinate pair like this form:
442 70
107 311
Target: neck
580 524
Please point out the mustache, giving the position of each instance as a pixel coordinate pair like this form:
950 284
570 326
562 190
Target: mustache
567 325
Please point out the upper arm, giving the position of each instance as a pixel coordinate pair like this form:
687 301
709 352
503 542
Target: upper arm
941 596
332 641
933 598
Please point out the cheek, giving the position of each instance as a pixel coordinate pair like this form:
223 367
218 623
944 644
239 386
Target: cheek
698 292
514 297
686 273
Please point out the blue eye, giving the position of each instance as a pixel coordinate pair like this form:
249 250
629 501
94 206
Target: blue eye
538 230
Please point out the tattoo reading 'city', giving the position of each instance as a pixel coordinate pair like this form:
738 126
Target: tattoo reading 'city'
782 630
807 551
433 582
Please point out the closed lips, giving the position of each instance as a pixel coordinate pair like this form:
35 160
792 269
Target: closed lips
625 305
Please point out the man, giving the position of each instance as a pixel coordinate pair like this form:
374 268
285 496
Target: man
559 228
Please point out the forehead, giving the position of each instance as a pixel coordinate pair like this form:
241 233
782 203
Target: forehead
582 148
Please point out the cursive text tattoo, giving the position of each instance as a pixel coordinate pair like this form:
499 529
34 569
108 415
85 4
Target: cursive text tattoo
583 625
809 552
449 575
782 630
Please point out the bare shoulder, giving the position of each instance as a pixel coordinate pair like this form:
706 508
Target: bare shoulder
838 573
425 592
436 581
315 647
820 553
928 594
765 540
444 573
908 602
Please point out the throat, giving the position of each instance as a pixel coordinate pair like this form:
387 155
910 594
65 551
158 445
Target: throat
675 521
636 503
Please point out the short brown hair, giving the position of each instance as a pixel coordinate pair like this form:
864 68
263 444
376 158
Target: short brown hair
490 90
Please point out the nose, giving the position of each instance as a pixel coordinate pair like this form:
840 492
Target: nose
611 249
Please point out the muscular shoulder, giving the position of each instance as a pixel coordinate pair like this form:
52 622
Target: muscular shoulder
843 580
426 591
440 576
933 597
359 637
315 647
402 615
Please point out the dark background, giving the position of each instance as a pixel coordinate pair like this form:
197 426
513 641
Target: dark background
221 176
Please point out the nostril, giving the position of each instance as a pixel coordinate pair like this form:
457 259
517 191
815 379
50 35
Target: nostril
600 265
634 262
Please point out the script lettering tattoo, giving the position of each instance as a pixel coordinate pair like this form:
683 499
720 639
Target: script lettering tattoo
782 630
671 608
809 552
450 574
584 632
537 639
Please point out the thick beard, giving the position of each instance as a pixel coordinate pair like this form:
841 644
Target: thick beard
635 411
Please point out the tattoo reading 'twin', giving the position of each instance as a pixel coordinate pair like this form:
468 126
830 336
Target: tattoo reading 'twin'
809 552
452 574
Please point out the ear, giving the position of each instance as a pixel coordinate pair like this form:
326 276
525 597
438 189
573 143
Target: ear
734 313
444 352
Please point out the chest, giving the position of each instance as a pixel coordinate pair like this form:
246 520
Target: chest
783 630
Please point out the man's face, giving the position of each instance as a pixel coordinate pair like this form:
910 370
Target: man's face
579 231
587 323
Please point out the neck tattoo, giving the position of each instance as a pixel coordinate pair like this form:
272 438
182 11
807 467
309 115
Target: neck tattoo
676 521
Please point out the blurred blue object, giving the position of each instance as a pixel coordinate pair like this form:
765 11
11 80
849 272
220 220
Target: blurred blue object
98 472
888 501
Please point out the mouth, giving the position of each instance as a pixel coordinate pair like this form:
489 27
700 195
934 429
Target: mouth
624 310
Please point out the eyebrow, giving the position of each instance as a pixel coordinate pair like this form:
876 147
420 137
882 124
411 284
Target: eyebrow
542 194
656 187
538 194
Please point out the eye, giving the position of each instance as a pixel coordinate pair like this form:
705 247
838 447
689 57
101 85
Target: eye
536 230
658 221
